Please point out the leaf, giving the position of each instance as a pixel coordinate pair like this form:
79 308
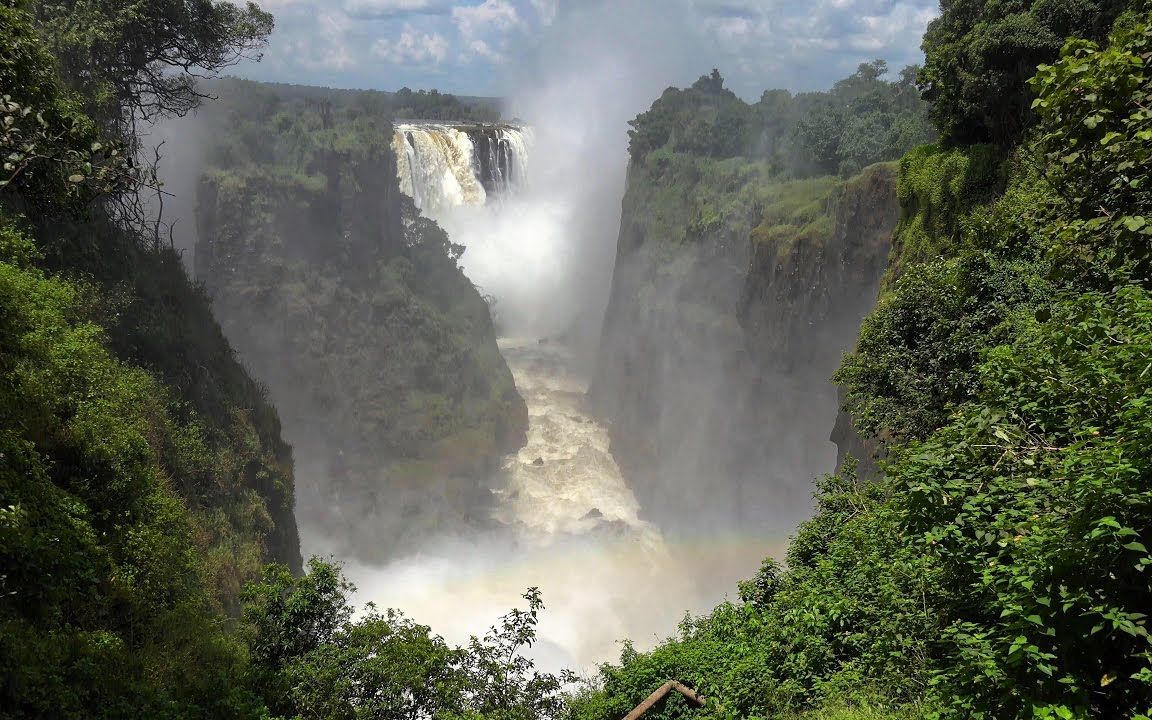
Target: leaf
1136 547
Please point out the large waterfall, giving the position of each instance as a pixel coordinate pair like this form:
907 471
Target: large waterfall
444 165
563 516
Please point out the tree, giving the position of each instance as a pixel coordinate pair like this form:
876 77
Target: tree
141 60
979 55
310 659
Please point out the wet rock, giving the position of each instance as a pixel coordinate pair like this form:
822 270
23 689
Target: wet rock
538 461
593 514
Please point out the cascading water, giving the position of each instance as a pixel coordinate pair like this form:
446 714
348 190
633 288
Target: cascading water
446 165
564 518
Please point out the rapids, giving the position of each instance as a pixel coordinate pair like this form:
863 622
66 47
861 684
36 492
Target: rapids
563 517
566 522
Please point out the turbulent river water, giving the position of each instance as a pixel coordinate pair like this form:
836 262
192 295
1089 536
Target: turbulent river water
563 518
566 522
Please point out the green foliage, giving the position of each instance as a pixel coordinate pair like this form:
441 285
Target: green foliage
141 60
1096 135
1034 505
863 119
311 659
52 154
979 55
142 476
838 622
999 568
937 188
103 562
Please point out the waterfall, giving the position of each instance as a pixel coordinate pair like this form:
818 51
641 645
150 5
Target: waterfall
446 165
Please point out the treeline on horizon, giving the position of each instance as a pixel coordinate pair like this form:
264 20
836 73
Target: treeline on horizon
861 120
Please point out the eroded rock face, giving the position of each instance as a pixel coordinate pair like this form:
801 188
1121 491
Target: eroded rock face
379 353
719 344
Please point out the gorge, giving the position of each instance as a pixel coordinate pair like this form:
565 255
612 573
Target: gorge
403 405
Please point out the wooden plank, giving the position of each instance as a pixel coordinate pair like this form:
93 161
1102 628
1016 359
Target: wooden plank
693 697
663 690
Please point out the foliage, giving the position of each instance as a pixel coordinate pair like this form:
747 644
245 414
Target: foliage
1034 505
103 562
937 188
52 153
999 567
1096 136
144 479
836 621
311 659
979 55
863 119
141 60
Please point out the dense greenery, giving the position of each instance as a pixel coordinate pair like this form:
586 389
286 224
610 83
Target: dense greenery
981 53
143 480
863 119
1000 566
311 659
142 476
379 352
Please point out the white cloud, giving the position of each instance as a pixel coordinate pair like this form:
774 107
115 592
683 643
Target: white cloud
479 48
328 48
395 8
412 48
546 10
491 15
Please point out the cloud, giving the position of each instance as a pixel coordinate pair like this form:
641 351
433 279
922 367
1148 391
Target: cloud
482 47
325 49
411 47
484 28
491 15
395 8
545 10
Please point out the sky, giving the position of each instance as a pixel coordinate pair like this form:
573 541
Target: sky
489 47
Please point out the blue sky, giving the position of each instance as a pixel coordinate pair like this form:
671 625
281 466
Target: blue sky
488 47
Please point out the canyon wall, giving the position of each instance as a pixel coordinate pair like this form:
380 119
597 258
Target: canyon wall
734 297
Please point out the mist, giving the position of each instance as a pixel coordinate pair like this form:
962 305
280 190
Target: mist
568 522
621 547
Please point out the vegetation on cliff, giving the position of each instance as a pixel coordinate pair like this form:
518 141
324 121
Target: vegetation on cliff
737 284
999 566
143 480
142 475
379 352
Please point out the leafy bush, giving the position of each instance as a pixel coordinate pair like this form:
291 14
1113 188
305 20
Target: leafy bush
979 55
311 659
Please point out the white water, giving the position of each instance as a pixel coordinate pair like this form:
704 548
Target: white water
568 524
440 165
564 518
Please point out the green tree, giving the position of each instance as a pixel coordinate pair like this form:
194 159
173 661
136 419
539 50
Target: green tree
979 55
142 60
312 660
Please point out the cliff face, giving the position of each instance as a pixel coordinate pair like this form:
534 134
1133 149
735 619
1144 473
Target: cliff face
379 352
807 291
732 303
